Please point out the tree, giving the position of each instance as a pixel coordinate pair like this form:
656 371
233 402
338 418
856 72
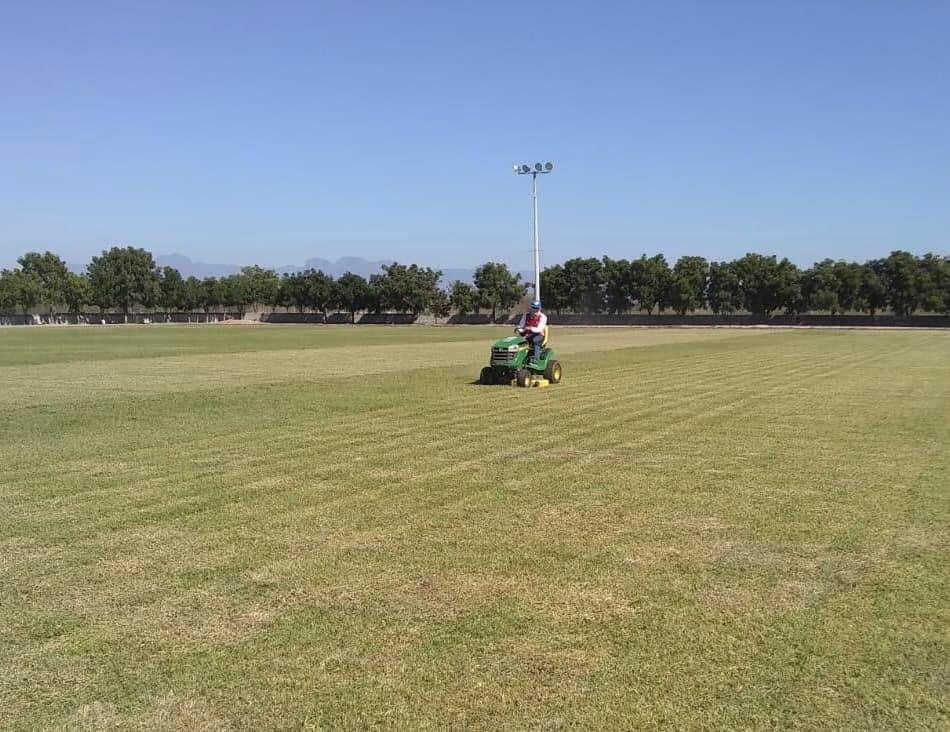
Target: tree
353 294
822 287
848 275
172 288
76 293
724 290
873 292
212 293
650 282
902 282
319 290
235 293
261 286
497 287
193 294
440 307
935 283
8 291
554 289
28 289
617 284
405 289
791 294
463 298
687 291
293 291
768 284
52 274
585 284
124 277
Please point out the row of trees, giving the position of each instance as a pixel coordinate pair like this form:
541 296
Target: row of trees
126 277
754 283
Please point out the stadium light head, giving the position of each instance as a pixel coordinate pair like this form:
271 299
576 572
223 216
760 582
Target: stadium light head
537 168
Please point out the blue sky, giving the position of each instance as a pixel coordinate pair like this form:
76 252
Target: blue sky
272 132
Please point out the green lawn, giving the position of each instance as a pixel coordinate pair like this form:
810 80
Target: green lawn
209 527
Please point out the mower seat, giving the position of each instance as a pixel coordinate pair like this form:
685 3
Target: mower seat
544 340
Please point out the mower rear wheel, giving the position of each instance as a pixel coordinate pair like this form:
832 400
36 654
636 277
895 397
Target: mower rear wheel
524 377
553 372
487 376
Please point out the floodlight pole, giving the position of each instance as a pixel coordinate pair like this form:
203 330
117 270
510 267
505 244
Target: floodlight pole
535 171
537 249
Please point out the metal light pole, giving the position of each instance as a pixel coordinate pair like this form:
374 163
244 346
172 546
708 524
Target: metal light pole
534 172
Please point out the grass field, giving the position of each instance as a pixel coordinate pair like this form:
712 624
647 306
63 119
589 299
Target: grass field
214 527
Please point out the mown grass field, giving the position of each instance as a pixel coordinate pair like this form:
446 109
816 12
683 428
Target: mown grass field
214 527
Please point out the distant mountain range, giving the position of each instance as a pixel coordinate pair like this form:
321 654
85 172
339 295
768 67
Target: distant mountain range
356 265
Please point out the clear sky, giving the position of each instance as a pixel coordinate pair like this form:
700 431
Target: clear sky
272 132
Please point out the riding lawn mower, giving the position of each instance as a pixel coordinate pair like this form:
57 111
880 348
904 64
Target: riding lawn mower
511 364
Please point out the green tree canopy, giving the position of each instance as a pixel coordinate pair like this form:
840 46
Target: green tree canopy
172 287
405 289
687 292
873 289
260 286
555 293
235 293
934 278
193 294
724 290
498 288
822 287
293 291
8 301
77 293
768 285
584 278
463 298
617 285
353 294
320 290
52 274
124 277
212 293
650 282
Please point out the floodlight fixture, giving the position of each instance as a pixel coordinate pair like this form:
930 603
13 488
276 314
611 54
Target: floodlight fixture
535 169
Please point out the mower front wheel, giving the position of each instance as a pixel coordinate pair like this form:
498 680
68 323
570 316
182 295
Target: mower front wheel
524 377
487 376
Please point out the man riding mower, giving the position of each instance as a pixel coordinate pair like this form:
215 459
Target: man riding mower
524 358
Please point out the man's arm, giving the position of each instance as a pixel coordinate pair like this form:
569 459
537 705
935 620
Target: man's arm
520 326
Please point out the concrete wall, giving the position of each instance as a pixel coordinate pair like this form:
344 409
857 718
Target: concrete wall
891 321
914 321
112 318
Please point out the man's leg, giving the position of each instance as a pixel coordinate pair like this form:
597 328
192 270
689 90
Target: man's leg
536 345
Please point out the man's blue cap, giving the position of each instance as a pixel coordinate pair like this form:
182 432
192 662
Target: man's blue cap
535 304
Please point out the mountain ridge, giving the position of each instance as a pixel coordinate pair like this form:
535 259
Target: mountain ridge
357 265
